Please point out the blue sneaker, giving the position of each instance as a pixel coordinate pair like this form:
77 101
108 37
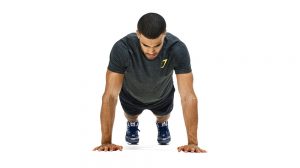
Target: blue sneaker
132 135
163 137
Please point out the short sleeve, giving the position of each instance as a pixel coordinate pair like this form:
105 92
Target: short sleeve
181 56
119 57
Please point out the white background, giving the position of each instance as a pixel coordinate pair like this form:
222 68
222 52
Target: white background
246 65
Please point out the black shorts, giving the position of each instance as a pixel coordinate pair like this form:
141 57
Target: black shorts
132 106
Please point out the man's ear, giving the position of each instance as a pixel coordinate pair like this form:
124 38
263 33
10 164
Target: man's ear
138 34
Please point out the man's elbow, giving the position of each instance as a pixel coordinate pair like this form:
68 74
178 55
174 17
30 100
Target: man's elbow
109 97
190 98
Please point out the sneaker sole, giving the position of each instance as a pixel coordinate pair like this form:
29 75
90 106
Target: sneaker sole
164 141
132 141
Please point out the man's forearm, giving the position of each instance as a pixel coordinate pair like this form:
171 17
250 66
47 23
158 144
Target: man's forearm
190 113
107 117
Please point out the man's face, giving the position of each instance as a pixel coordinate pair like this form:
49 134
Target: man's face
151 47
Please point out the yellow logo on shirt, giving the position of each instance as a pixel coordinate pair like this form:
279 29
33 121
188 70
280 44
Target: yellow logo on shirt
163 63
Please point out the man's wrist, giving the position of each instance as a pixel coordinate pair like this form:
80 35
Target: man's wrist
193 143
105 142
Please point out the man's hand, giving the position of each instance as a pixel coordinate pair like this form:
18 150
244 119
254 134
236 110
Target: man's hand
108 147
191 148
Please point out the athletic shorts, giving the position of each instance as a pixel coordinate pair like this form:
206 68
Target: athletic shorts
132 106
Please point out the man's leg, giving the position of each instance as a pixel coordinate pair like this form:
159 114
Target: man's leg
131 118
161 119
162 112
132 110
163 137
132 135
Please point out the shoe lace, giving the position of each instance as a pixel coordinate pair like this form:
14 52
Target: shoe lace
133 128
163 130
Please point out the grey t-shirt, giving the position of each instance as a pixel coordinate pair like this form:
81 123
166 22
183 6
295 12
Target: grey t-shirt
147 80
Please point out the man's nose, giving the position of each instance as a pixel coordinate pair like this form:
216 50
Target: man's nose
151 50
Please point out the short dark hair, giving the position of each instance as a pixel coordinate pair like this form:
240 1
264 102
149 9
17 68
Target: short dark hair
151 25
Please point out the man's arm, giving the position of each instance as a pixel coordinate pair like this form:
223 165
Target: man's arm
109 101
190 111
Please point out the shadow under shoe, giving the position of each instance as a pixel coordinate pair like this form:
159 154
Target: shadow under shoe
132 135
163 137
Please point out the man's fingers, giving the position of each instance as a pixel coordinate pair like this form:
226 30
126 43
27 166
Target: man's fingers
182 148
191 148
202 150
105 148
112 148
117 147
108 147
179 148
98 148
198 150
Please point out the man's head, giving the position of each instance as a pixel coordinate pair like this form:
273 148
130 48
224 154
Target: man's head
151 33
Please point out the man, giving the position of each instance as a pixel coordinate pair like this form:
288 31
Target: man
140 73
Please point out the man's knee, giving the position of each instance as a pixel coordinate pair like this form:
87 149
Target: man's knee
162 118
131 117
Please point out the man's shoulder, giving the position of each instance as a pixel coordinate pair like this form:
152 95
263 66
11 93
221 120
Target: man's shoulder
172 40
130 40
131 37
172 37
